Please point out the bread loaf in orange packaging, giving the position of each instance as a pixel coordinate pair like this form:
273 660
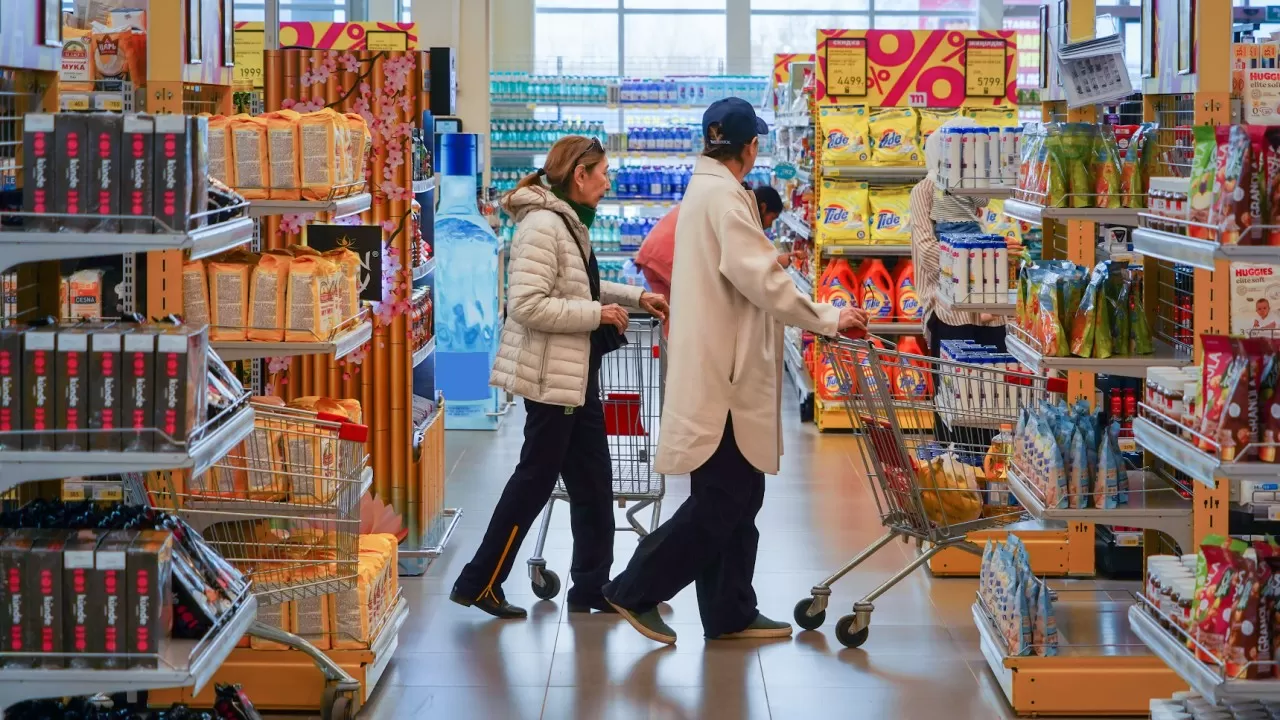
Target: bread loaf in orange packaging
361 140
251 156
221 154
330 298
354 411
283 145
303 320
229 297
267 297
348 263
195 293
300 250
321 165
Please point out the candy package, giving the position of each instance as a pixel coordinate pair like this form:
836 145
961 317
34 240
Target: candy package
890 218
842 213
845 136
895 138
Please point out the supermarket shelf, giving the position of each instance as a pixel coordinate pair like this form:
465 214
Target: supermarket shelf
18 247
424 352
638 202
895 328
994 192
340 347
1206 679
1024 211
793 120
802 281
993 308
834 251
797 225
339 207
1199 253
1196 463
384 646
871 172
657 154
19 466
532 104
183 663
424 269
424 185
1152 505
1034 214
203 513
799 373
1135 366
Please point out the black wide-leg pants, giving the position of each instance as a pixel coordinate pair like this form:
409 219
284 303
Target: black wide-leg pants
711 541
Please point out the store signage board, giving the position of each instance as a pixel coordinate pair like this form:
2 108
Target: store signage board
1262 97
249 59
383 40
784 171
373 35
1273 13
986 72
363 240
846 67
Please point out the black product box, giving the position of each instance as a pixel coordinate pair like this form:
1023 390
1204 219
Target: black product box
172 197
442 81
45 594
180 385
72 402
41 169
70 194
138 398
137 177
198 128
39 370
105 385
18 635
150 595
82 595
105 130
11 388
110 563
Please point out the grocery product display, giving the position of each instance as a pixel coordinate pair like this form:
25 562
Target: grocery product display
1019 604
1064 309
974 269
519 87
1068 458
539 135
1082 165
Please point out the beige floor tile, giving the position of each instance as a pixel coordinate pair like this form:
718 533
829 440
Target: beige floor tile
641 701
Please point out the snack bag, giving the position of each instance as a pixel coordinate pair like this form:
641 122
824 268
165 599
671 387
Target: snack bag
1139 327
845 136
1054 172
1221 373
1203 166
1232 183
843 213
251 156
1269 404
320 154
895 138
1078 486
1106 169
267 303
1045 631
1136 158
1077 151
890 216
1049 322
1270 162
931 120
1107 479
1085 320
284 142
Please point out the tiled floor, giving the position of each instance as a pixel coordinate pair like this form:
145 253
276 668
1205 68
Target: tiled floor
921 661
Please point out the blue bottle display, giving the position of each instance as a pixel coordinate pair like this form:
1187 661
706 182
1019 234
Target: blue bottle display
466 299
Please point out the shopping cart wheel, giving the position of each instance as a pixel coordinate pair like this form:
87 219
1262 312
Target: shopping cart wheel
847 636
550 586
805 619
338 705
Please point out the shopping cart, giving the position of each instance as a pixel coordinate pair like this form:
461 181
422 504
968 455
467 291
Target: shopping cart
632 380
283 508
927 490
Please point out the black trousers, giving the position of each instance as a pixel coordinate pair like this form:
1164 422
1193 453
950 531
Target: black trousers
983 335
711 540
563 442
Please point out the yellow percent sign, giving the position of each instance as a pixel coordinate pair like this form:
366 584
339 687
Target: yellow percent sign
985 71
846 66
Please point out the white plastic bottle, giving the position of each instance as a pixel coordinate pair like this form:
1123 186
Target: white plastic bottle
980 143
945 284
967 139
959 268
1002 270
954 145
995 161
977 280
988 270
1008 160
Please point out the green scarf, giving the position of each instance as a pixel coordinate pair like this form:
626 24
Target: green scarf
585 214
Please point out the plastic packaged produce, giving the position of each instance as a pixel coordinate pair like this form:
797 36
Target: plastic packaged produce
895 138
845 136
842 213
890 216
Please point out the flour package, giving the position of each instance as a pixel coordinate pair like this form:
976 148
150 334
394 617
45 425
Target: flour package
283 147
361 142
348 264
251 156
267 294
221 154
303 311
195 293
229 296
323 137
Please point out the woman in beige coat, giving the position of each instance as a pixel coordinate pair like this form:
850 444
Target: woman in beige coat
721 417
561 319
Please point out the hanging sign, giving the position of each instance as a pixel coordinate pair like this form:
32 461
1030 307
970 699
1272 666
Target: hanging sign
363 240
383 40
846 68
784 171
249 47
985 70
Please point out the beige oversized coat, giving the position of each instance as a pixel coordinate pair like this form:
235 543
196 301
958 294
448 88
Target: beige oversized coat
725 346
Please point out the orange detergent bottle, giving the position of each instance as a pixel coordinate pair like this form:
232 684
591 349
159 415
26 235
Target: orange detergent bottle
839 285
906 303
912 379
876 291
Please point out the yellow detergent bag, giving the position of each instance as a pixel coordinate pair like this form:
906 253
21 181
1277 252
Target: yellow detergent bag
992 117
895 138
995 222
842 213
890 218
844 136
931 120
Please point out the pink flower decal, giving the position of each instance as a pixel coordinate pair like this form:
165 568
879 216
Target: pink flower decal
349 63
288 103
321 74
306 78
276 365
395 192
388 226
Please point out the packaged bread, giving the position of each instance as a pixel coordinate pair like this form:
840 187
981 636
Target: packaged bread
276 616
348 263
195 293
250 156
267 297
229 297
321 165
353 409
221 154
361 140
282 145
303 319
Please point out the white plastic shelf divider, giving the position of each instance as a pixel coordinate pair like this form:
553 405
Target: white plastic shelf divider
1029 213
340 347
1036 214
339 207
1135 366
870 172
185 663
19 466
424 269
798 226
1199 253
18 247
1196 463
1152 505
837 251
424 185
1202 677
421 354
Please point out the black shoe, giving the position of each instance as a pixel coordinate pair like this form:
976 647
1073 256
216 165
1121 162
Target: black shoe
492 604
599 605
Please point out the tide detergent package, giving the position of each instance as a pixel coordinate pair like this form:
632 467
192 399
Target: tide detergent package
895 138
842 213
890 218
844 136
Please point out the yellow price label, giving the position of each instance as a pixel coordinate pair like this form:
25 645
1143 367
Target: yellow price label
249 59
109 103
986 72
382 40
73 491
108 492
846 66
75 102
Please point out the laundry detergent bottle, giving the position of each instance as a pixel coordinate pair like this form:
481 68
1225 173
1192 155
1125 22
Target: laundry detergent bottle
912 379
839 285
905 301
877 290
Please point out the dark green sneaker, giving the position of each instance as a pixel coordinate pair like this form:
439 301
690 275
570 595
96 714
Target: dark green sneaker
648 624
760 628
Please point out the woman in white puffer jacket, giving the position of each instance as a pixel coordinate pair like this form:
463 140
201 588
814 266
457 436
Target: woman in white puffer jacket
561 319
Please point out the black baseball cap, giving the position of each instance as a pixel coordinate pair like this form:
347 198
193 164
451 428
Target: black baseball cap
737 122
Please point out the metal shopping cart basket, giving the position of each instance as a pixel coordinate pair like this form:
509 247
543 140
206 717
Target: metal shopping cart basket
283 508
927 428
632 380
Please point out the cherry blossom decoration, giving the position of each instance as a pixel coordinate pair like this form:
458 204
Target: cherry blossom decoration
353 360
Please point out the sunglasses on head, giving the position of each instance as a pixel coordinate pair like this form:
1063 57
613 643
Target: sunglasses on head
593 145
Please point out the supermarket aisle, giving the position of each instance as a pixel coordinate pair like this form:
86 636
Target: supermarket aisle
921 660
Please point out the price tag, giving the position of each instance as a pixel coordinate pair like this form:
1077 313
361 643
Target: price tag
1127 444
986 73
249 59
108 102
1273 512
383 40
847 66
1128 539
108 492
74 103
74 490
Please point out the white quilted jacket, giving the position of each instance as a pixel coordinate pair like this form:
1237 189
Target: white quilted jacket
546 340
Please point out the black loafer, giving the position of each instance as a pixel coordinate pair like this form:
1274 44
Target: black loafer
491 604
